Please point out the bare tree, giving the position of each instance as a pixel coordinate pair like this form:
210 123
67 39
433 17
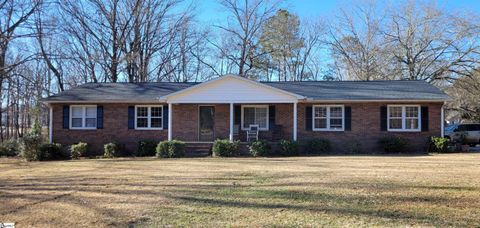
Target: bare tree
358 46
14 24
242 30
430 44
105 24
51 54
466 96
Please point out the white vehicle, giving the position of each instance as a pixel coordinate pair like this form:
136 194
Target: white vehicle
471 132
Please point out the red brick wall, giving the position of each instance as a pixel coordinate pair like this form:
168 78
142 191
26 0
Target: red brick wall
115 129
185 121
366 128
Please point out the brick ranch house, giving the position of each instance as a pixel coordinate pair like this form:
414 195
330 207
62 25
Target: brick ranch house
344 112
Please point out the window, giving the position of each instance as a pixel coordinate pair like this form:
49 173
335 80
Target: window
328 118
83 117
403 118
148 117
256 115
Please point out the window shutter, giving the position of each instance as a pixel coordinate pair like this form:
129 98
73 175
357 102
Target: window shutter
237 110
308 118
424 114
271 116
131 117
383 118
99 117
66 117
348 118
165 117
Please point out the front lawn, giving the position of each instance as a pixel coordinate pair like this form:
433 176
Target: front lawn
436 190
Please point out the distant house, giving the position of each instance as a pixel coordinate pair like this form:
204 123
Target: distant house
344 112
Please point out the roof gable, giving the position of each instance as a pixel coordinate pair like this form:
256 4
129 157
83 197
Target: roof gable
232 89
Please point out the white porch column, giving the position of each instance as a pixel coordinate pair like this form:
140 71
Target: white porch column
442 124
295 121
170 121
231 122
50 124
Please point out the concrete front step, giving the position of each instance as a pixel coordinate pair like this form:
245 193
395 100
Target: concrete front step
204 149
198 149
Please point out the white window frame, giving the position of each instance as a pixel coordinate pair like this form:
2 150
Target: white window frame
84 117
328 117
255 106
149 117
404 118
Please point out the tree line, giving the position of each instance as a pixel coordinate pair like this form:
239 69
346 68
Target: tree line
48 46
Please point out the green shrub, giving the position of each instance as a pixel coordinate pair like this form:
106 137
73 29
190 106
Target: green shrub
318 146
225 148
111 150
171 149
146 148
288 148
259 148
78 150
31 147
9 148
354 147
52 151
439 144
177 149
163 149
392 144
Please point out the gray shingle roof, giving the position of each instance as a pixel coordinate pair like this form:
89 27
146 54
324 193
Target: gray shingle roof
363 90
316 90
117 92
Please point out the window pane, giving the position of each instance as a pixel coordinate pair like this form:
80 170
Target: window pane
320 123
395 124
336 123
91 112
76 122
77 111
90 122
142 122
156 122
411 124
248 117
261 117
411 111
142 111
156 112
320 112
395 111
336 112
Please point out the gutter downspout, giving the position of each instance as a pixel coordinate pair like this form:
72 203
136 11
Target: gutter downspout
442 119
50 124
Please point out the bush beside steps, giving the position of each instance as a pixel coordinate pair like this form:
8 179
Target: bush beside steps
225 148
171 149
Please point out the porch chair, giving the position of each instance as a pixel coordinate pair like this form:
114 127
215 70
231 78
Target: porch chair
252 132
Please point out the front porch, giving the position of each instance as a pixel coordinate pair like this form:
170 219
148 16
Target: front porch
226 107
203 123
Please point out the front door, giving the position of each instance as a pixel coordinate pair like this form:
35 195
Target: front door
206 116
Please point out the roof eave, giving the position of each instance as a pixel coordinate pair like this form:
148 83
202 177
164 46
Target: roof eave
101 101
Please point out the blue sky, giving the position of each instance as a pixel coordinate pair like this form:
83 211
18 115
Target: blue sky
209 11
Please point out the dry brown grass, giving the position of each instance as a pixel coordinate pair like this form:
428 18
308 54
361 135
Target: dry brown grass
437 190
